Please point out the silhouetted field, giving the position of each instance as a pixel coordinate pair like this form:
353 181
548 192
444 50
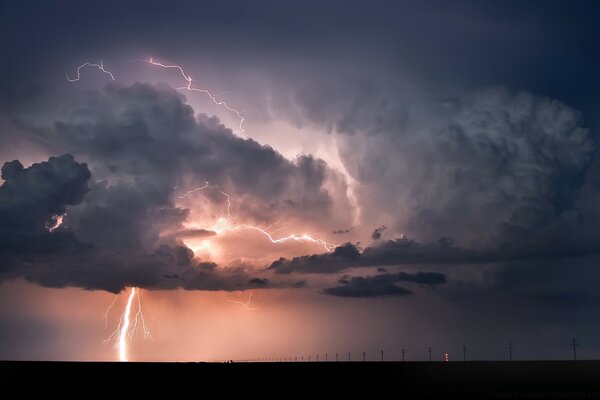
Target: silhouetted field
471 379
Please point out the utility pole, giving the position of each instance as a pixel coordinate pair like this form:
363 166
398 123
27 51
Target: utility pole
510 347
317 358
326 356
336 357
429 353
574 344
403 354
348 356
381 355
308 358
303 358
364 357
464 350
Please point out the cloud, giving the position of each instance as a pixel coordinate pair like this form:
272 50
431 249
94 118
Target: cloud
383 285
479 166
192 233
139 148
30 197
342 231
378 232
400 251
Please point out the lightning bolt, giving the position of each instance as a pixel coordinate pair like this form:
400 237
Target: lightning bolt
222 225
122 342
55 222
87 64
128 324
108 311
190 192
329 247
246 304
190 88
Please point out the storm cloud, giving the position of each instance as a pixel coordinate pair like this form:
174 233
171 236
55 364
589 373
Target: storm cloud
143 149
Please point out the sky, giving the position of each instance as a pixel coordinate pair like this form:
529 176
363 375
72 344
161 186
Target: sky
285 179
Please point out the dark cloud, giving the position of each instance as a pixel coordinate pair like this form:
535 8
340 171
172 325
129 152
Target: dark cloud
404 251
383 285
378 232
30 197
342 231
192 233
477 166
141 144
30 200
258 281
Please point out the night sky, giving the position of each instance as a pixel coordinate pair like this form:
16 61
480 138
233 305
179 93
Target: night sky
295 178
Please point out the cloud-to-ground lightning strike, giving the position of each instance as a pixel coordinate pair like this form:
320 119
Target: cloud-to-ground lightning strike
190 87
122 342
128 325
246 304
87 64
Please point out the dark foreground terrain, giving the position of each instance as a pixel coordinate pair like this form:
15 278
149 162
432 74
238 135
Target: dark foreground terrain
402 380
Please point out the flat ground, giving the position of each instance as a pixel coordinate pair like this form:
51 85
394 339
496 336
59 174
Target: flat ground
471 379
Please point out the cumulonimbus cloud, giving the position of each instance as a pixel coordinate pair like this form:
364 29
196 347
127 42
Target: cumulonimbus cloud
130 150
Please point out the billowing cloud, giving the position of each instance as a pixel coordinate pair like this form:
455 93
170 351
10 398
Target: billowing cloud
477 167
126 206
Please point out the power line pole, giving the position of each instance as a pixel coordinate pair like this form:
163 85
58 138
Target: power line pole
336 357
429 353
574 344
510 347
326 356
348 356
464 350
381 355
403 354
364 357
317 358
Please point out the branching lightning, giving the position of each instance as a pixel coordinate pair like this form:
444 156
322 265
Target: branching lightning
190 87
224 225
329 247
128 324
246 304
108 311
87 64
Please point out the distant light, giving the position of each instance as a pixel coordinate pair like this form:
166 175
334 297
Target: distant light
446 357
